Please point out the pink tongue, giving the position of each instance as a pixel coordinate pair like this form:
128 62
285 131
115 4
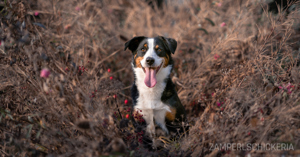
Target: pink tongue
150 79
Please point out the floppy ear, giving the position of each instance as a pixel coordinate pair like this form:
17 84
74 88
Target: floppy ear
133 43
170 43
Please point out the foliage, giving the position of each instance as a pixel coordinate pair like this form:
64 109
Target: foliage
236 70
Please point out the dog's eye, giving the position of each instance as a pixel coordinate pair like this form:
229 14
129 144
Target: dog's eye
158 50
143 49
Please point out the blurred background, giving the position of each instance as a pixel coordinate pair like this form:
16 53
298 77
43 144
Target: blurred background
65 78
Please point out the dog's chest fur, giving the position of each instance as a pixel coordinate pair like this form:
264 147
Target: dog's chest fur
151 98
148 100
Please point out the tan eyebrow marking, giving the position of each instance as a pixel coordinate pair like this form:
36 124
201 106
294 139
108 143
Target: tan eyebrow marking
156 46
145 45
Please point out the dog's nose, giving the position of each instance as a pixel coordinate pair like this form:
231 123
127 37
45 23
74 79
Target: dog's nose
150 60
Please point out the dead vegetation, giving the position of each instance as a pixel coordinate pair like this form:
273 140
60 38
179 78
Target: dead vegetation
236 71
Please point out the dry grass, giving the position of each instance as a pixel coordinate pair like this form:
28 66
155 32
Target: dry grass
239 83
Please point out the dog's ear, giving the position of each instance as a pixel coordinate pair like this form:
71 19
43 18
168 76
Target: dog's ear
170 43
133 43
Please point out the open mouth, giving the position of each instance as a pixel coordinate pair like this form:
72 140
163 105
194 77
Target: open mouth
150 72
155 68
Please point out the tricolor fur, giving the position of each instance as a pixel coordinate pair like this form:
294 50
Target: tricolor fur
153 92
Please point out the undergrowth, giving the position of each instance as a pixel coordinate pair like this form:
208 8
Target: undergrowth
65 79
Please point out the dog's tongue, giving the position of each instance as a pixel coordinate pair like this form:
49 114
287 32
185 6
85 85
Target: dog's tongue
150 79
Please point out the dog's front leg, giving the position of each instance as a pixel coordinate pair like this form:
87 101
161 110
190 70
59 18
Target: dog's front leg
148 116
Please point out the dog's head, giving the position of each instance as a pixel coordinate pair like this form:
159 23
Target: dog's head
152 60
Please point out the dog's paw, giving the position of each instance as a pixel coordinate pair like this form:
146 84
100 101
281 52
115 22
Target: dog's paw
151 130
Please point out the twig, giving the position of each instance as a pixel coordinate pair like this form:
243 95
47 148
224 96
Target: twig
118 108
4 152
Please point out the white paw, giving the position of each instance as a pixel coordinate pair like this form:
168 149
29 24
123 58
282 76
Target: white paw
154 145
151 130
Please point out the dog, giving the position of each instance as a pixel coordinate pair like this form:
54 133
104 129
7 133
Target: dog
153 92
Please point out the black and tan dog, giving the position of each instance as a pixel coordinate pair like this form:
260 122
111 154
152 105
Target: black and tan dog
153 91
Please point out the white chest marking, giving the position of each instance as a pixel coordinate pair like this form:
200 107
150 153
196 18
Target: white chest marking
149 100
